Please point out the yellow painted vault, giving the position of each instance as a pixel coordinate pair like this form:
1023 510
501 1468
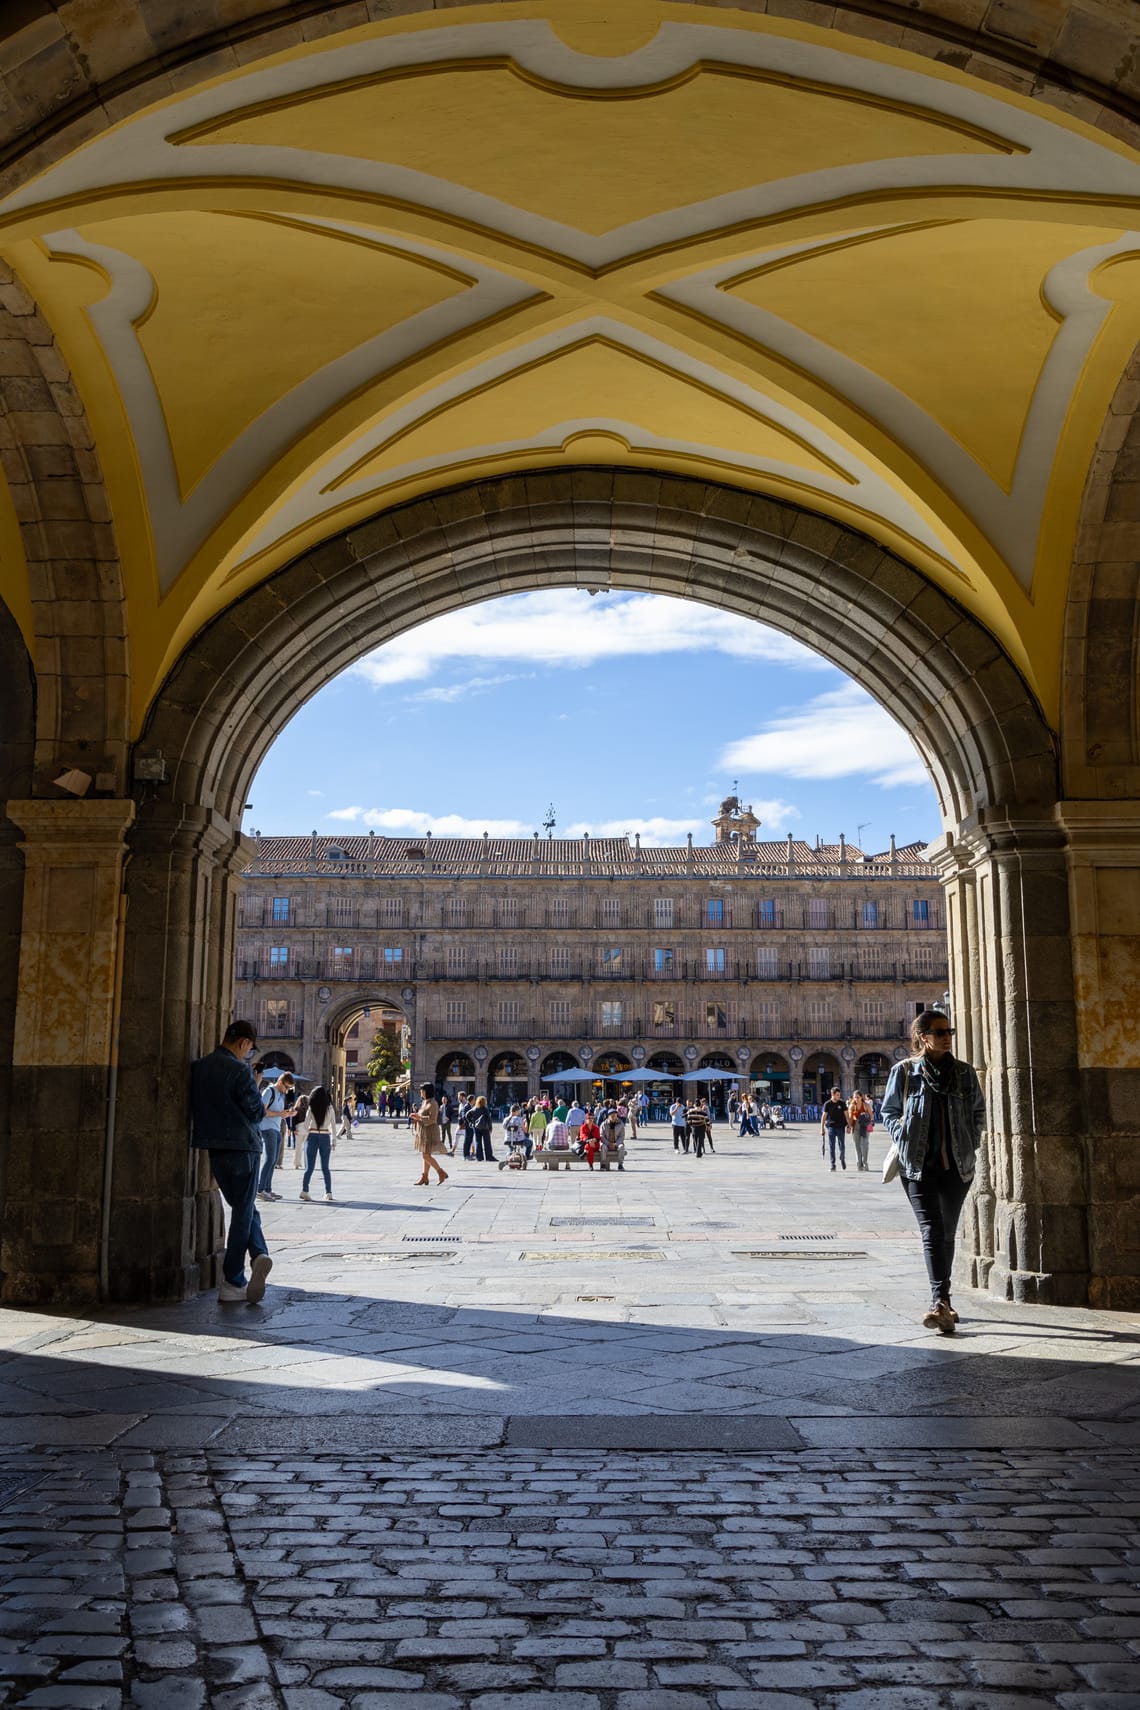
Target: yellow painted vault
727 245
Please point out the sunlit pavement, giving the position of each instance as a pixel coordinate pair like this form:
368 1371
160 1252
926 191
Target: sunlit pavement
591 1441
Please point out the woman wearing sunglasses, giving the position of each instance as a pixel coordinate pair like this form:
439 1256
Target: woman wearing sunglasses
934 1112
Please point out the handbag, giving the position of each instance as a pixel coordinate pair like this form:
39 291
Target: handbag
891 1164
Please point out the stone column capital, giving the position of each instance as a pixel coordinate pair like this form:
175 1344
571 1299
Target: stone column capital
1101 828
72 832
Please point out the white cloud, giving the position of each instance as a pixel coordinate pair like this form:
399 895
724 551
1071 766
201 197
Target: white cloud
836 735
564 629
473 686
314 792
412 822
655 830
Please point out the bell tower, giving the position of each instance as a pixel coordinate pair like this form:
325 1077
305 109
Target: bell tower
735 824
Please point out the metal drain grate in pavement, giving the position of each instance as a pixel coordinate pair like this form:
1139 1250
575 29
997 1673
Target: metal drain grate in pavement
423 1240
602 1223
794 1253
806 1237
13 1485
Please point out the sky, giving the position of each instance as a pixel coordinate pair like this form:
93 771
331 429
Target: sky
620 712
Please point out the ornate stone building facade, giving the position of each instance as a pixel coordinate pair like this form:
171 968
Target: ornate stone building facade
796 967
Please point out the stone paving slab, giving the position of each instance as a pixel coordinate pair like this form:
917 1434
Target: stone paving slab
588 1578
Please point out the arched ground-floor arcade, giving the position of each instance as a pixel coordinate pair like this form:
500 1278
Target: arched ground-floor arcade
99 1195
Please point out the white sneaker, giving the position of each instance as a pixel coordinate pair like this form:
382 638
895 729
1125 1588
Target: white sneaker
258 1272
229 1292
304 1196
328 1199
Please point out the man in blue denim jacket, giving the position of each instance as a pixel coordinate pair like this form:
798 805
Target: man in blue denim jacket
935 1112
227 1112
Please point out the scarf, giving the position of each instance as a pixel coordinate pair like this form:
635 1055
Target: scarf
939 1078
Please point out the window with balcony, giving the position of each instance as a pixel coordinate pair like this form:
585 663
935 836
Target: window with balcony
714 911
716 1017
767 966
870 914
350 1058
507 959
664 1014
871 961
767 912
921 915
392 911
611 911
818 1014
457 958
819 964
278 958
342 911
508 912
344 959
663 961
280 911
455 1013
611 960
768 1018
455 911
817 911
276 1017
612 1014
663 911
874 1018
560 960
923 958
559 912
393 955
560 1014
714 959
508 1012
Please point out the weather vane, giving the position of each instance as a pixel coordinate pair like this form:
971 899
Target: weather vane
549 822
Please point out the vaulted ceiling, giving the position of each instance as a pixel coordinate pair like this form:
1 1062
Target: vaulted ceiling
653 236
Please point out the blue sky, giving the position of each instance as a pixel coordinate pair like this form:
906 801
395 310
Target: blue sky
627 712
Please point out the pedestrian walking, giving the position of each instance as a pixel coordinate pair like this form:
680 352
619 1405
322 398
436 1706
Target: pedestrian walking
697 1118
859 1121
319 1141
833 1127
535 1127
935 1113
680 1125
445 1125
575 1116
226 1109
425 1122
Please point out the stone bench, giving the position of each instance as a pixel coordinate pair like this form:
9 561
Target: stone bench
554 1158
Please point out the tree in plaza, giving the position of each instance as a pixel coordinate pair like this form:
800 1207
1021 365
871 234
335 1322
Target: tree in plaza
385 1063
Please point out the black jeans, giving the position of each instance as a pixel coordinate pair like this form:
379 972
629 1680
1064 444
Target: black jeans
936 1199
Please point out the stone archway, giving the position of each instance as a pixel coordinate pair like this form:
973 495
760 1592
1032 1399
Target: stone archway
989 750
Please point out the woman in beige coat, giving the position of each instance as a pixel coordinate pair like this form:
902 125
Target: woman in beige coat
425 1122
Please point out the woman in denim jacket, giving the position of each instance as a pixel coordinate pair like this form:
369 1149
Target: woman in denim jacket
934 1112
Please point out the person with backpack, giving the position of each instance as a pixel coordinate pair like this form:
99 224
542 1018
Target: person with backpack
935 1112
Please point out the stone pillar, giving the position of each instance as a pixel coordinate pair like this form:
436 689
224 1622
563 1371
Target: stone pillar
795 1076
166 1223
63 1057
1025 1039
959 882
1104 894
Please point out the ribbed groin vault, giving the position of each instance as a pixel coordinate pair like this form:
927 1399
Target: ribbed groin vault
317 320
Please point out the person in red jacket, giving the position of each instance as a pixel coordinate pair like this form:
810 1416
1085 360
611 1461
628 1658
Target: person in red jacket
591 1139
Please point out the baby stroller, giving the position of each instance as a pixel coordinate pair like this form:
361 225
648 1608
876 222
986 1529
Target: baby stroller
516 1158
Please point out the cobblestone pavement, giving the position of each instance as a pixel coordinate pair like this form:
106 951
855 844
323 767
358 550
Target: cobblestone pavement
483 1446
974 1580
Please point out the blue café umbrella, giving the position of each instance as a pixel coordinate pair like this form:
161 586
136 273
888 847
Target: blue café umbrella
276 1074
644 1075
572 1075
712 1075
